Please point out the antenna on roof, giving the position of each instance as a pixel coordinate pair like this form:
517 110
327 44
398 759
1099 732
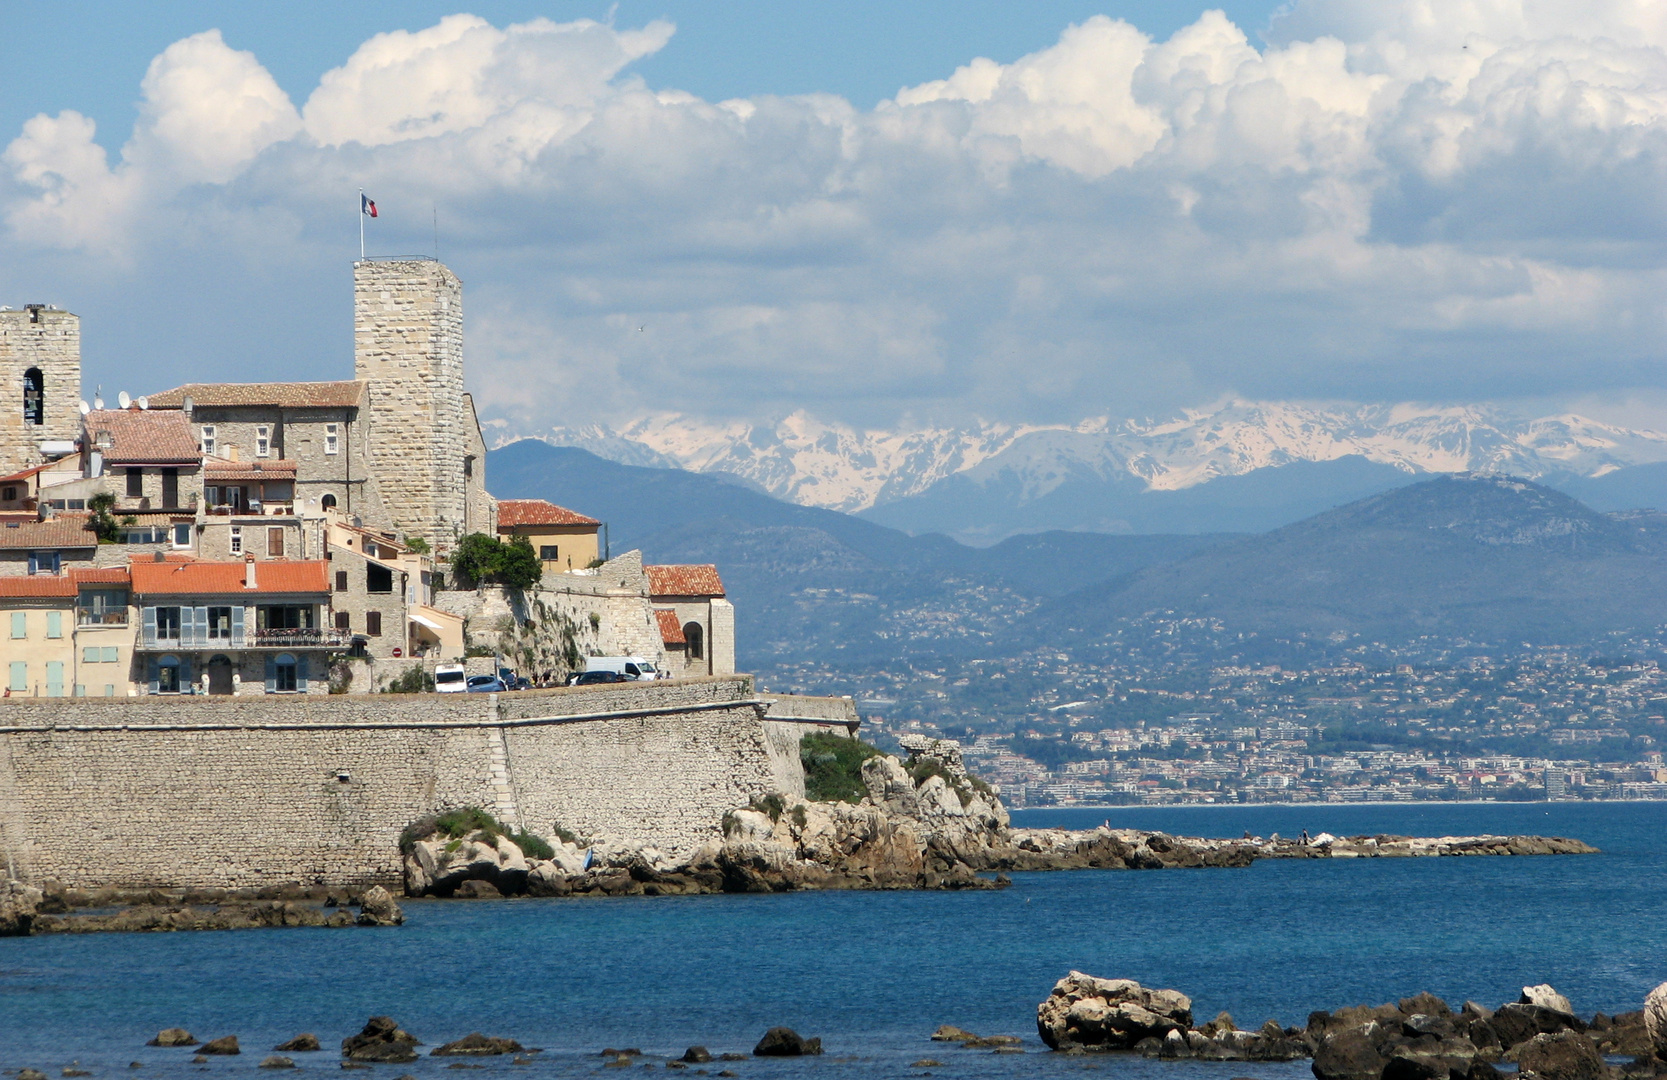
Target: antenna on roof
144 402
98 397
85 408
186 405
123 400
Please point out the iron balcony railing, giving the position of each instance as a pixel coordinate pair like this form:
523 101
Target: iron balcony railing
296 638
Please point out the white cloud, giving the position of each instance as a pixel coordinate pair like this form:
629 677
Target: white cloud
1394 199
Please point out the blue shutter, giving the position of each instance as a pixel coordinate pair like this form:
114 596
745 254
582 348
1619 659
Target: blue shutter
54 624
271 674
301 674
202 626
150 668
34 563
185 684
237 626
54 678
150 638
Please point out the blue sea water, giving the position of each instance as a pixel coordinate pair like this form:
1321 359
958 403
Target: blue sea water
874 973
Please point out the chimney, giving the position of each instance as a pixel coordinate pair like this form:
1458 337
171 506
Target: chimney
249 571
157 556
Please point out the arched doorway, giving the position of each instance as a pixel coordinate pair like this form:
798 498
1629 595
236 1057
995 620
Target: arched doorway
328 501
219 674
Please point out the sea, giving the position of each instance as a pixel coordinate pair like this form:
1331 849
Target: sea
874 973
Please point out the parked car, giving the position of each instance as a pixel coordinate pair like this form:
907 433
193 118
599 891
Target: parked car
485 684
449 679
633 668
593 678
522 683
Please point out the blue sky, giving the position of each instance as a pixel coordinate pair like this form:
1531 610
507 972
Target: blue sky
877 213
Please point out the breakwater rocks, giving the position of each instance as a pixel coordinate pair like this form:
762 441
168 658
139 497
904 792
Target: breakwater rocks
56 910
1417 1038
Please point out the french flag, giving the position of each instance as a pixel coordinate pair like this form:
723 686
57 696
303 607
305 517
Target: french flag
366 206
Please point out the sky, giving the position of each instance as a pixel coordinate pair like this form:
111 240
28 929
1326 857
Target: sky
877 213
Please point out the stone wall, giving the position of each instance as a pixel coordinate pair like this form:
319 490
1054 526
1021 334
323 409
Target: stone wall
214 792
50 340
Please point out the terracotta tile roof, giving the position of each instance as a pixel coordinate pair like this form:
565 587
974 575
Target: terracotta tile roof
104 575
513 512
696 580
671 631
225 578
282 395
61 531
36 586
215 470
142 437
27 473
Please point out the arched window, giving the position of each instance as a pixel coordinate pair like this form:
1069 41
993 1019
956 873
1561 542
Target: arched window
328 501
34 396
693 635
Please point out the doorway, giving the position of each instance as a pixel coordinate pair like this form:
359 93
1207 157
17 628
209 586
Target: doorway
219 675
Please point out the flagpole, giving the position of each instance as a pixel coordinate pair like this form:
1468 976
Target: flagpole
361 224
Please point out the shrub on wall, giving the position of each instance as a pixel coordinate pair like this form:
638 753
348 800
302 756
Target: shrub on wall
471 822
481 559
833 767
413 680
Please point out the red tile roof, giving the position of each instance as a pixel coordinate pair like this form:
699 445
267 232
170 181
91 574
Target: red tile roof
217 471
696 580
513 512
224 578
142 437
671 631
27 473
282 395
37 586
104 575
60 531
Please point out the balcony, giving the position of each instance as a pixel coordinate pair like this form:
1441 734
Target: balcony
301 638
185 640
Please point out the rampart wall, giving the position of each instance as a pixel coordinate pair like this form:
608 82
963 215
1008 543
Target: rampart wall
210 792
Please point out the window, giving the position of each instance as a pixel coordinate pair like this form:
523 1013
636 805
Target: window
277 491
167 674
263 441
237 540
694 635
378 579
19 680
8 494
167 624
103 607
341 580
54 678
44 562
284 617
135 483
274 543
107 654
77 504
54 624
344 621
208 440
170 487
89 655
468 467
34 397
328 501
330 440
547 552
20 625
220 623
284 675
145 535
373 624
182 534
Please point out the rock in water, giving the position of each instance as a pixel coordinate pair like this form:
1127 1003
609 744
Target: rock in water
1655 1020
30 1074
173 1037
477 890
697 1055
785 1042
1349 1054
276 1062
1546 997
1567 1055
1109 1014
381 1040
951 1033
18 905
377 908
299 1044
475 1044
224 1047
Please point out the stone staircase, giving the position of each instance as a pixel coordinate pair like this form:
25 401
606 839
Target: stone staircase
503 790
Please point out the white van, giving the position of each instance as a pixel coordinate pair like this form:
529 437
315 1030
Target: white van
450 679
634 668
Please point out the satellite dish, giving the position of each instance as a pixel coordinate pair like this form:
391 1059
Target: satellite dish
144 403
123 400
98 402
85 408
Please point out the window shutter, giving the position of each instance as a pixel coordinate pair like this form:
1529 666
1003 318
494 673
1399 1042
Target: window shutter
301 674
20 625
54 678
54 624
237 626
89 654
185 686
151 677
202 626
271 674
19 677
150 638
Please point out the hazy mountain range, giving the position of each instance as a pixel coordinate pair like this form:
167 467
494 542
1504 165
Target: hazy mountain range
1243 466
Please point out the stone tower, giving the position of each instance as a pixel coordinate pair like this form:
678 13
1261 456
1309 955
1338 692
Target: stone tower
40 370
408 345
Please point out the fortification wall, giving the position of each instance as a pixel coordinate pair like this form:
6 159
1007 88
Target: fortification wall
209 792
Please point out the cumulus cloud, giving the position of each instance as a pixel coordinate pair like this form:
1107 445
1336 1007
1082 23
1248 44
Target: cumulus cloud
1389 199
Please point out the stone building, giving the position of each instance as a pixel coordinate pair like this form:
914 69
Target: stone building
695 619
40 368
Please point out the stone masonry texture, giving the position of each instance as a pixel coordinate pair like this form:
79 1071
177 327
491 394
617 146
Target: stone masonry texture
216 792
50 341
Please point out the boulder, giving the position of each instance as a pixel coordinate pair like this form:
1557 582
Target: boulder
1655 1020
439 866
1565 1055
1350 1054
696 1055
475 1044
1546 997
951 1033
30 1074
377 908
299 1044
1517 1023
225 1046
547 878
173 1037
1109 1014
19 904
276 1062
381 1040
785 1042
476 889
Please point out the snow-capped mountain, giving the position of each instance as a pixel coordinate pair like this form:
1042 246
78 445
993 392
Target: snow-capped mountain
810 462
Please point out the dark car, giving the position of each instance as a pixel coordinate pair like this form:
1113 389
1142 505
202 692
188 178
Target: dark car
592 678
484 684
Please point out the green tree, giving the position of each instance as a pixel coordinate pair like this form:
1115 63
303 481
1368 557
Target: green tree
103 522
518 565
480 559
